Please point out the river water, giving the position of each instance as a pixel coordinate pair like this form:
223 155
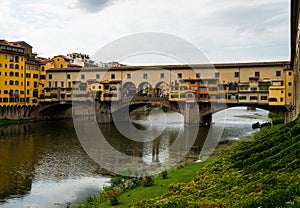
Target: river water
43 164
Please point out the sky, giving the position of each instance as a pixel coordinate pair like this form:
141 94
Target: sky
224 31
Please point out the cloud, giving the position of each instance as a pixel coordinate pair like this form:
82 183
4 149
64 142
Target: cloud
94 5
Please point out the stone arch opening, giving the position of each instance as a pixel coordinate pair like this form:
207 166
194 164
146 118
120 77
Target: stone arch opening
161 89
145 89
128 89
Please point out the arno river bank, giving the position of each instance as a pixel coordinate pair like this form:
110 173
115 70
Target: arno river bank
43 164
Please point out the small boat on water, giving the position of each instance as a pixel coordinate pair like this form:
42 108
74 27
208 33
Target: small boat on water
258 125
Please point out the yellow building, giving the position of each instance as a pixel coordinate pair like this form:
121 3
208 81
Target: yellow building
12 76
22 76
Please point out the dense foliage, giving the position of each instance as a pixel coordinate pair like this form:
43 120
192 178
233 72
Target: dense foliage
263 172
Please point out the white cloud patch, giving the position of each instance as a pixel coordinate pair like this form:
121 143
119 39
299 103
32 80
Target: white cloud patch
226 31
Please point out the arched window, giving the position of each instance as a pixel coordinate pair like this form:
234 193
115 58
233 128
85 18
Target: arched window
11 74
17 66
17 74
61 66
11 66
11 82
17 83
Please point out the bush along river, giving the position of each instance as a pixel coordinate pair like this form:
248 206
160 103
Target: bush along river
43 164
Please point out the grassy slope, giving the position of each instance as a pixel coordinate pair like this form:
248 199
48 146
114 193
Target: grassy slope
264 172
183 175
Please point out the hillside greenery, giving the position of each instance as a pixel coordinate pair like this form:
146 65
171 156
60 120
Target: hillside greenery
263 172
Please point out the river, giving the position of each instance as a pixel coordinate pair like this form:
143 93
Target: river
43 164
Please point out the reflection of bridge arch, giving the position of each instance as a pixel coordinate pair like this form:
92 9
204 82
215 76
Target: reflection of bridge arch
145 89
129 89
161 89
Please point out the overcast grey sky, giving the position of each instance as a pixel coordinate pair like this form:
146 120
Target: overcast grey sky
225 31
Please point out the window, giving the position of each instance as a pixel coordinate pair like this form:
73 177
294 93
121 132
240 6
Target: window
112 76
49 84
17 74
290 83
61 66
5 73
55 84
236 74
17 83
17 66
198 75
28 83
242 97
290 73
145 76
264 97
256 74
162 75
5 65
253 97
68 76
179 75
50 76
128 76
5 83
27 94
278 73
97 76
36 76
253 88
43 68
69 84
11 66
11 82
28 75
289 94
82 76
0 65
62 84
11 74
281 99
11 58
35 84
17 59
217 74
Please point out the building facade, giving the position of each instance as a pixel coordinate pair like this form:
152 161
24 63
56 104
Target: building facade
266 83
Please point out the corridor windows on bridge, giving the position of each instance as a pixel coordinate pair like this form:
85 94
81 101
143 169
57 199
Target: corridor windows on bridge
257 74
179 75
253 98
236 74
145 76
128 76
263 97
278 73
162 75
198 75
217 74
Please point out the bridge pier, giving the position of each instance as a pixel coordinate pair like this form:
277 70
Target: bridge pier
196 113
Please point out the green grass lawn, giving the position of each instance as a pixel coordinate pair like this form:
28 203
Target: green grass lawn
176 175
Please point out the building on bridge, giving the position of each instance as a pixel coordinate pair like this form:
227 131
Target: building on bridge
262 83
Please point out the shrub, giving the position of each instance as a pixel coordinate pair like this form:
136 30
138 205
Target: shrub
164 174
147 181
